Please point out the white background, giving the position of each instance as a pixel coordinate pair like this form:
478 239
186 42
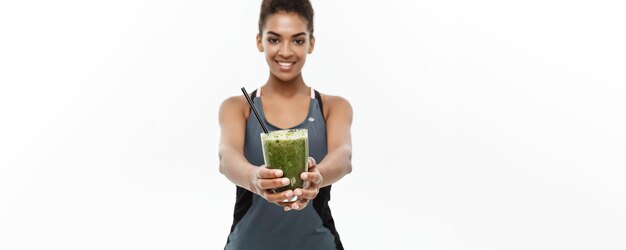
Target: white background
477 124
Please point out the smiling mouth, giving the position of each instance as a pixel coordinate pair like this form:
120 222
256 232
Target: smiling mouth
285 65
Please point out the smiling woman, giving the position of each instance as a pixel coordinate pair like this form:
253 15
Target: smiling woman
261 219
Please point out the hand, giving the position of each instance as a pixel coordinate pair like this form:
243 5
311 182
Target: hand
263 182
313 180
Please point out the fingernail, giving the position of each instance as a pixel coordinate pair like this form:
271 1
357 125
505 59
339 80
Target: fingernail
297 192
278 173
285 181
303 176
289 193
295 206
287 208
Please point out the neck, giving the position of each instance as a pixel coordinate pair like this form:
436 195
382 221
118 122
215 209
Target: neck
289 88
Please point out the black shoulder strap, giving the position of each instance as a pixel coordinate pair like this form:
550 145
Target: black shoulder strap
318 97
253 95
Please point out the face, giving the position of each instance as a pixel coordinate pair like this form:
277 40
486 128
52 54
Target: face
286 41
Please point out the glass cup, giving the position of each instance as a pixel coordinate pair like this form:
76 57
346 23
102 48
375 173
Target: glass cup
287 150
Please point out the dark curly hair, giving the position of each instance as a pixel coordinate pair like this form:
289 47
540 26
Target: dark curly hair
301 7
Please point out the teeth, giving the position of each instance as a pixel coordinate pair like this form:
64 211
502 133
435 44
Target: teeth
285 64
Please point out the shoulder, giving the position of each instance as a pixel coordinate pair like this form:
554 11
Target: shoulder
234 106
336 105
335 101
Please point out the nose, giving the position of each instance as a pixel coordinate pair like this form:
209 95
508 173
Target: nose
285 50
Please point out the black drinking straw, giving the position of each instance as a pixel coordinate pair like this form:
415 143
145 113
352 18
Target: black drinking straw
245 93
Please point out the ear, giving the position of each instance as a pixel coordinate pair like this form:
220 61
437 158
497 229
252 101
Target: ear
311 44
259 42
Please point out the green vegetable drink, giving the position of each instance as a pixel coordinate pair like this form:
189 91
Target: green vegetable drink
287 150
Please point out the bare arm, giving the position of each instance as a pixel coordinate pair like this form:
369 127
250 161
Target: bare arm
338 161
233 164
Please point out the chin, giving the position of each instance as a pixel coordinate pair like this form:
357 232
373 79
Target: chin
285 77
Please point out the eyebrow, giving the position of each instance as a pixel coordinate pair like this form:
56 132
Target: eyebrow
276 34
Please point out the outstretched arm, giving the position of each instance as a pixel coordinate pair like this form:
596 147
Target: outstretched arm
233 164
338 161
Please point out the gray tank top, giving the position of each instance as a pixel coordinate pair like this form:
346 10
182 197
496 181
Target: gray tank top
261 225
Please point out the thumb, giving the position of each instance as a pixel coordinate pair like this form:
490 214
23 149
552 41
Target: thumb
312 162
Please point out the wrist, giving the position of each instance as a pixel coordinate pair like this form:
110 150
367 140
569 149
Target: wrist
251 174
322 171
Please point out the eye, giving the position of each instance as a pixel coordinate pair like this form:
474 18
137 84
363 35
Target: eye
273 40
298 41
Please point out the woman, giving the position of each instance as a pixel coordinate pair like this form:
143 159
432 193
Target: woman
261 219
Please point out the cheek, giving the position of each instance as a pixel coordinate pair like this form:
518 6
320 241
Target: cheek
269 55
302 54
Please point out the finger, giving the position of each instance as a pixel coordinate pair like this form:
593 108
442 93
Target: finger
266 173
300 204
285 204
312 162
289 205
278 198
295 205
306 194
272 183
313 177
